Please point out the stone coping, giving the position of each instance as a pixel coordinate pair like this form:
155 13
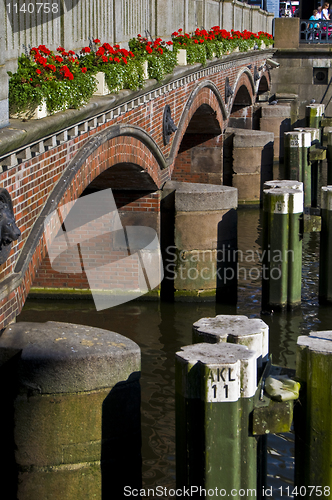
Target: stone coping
19 133
57 357
191 197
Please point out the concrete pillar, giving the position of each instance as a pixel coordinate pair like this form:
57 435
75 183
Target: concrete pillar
325 262
313 415
199 240
71 412
276 119
252 162
282 248
215 385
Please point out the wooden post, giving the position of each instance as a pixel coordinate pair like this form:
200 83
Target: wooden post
236 329
215 386
325 261
282 248
313 438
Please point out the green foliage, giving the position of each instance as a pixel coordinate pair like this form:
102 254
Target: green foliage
196 54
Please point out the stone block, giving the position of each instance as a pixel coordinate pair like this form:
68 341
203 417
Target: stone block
249 187
70 358
250 138
276 111
202 197
83 482
197 230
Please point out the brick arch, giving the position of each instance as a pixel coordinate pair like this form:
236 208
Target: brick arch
113 146
243 79
206 95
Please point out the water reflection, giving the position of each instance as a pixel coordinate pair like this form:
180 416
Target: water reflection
160 329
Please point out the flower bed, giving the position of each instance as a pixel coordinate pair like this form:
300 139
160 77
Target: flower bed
67 79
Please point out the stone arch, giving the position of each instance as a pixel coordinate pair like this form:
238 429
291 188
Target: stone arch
242 100
126 146
199 137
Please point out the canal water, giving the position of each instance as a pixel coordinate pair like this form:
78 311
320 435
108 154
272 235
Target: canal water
160 329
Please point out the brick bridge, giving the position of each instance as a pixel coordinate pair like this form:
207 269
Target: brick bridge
117 142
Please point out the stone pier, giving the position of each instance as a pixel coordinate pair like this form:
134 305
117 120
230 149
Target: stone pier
71 412
199 239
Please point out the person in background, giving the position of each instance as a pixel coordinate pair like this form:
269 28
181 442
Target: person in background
325 12
314 17
319 9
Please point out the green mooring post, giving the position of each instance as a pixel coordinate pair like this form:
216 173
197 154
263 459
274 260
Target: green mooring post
235 329
282 248
306 166
293 157
314 114
215 388
325 260
312 417
329 157
70 414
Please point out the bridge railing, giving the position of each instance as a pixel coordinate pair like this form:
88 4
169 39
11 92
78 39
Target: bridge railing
315 31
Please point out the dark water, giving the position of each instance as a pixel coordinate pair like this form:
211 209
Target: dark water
160 329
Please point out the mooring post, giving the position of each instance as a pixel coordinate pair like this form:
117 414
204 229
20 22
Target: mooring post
325 261
314 113
293 144
308 137
236 329
282 248
215 386
285 184
329 157
71 413
313 439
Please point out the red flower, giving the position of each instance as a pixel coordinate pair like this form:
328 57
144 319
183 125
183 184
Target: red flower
100 51
84 70
38 71
104 58
59 59
85 50
124 60
116 59
71 53
60 49
96 40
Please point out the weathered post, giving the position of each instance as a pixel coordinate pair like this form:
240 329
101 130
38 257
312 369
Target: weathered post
236 329
282 248
215 386
325 261
313 440
314 113
71 414
293 144
329 157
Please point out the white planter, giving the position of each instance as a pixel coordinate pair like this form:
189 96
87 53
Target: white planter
145 70
102 88
40 112
182 57
236 49
263 46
